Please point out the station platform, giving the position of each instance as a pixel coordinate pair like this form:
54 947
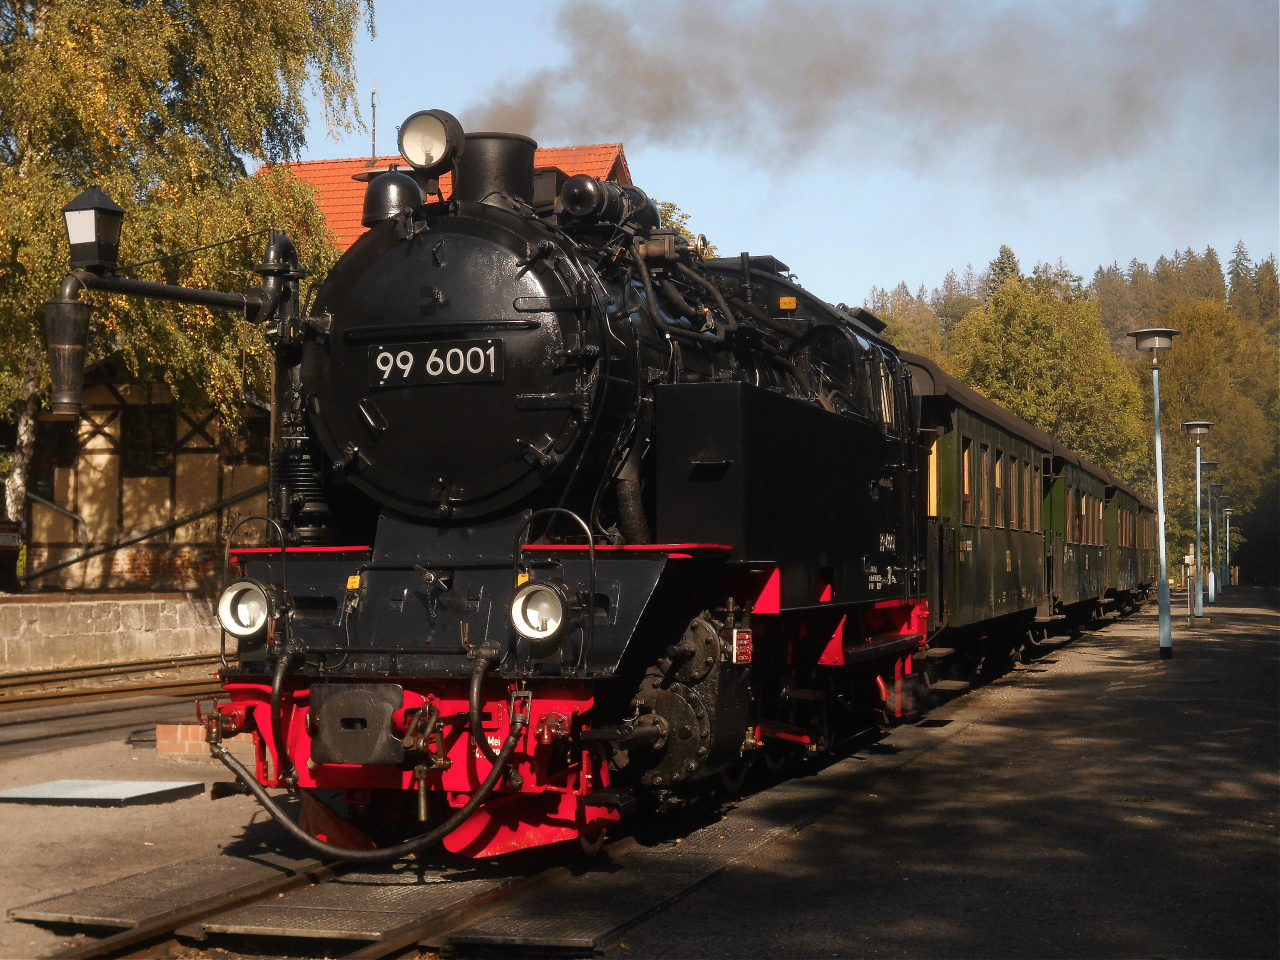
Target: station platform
1099 802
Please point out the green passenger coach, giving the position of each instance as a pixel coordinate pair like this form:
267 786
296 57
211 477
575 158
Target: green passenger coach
1018 528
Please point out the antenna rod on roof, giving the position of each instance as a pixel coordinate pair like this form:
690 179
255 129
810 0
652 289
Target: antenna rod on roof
373 132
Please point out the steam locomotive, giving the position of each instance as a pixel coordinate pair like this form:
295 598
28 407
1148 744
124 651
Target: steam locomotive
569 518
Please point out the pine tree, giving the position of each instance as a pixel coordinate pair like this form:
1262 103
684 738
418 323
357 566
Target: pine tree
1242 292
1003 267
1267 287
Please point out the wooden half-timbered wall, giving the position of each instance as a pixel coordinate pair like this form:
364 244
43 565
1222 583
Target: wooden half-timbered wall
131 462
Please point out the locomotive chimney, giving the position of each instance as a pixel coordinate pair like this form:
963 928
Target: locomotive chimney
496 162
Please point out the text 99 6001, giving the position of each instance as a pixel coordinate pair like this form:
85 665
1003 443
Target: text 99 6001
441 361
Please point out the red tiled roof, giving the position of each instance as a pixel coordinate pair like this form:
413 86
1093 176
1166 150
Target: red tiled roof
341 199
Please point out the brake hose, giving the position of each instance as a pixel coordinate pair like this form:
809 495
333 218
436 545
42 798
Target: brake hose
477 730
413 845
288 773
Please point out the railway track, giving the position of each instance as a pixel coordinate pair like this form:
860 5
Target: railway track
34 688
164 934
484 908
346 910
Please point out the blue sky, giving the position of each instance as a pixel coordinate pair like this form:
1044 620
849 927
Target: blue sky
867 143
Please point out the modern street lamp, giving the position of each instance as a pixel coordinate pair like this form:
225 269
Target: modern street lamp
1153 340
1197 429
1224 577
1214 490
1227 513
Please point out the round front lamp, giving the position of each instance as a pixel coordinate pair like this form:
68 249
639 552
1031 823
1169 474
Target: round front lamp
1197 428
246 609
430 140
93 229
542 611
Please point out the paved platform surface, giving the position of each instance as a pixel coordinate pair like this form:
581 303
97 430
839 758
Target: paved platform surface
1100 803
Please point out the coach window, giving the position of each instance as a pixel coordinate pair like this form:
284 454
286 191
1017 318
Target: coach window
966 481
984 485
1027 494
1015 480
999 489
932 504
1037 500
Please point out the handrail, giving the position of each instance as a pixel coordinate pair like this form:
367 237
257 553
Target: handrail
84 527
146 534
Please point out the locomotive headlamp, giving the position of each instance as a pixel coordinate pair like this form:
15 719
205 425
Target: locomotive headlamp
247 607
543 610
93 229
430 140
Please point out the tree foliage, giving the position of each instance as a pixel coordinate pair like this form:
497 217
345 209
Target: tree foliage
910 321
1057 353
1038 348
673 218
163 104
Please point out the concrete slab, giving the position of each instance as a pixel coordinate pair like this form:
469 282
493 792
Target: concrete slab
102 793
50 851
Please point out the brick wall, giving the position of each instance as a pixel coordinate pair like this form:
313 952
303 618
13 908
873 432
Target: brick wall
185 741
39 633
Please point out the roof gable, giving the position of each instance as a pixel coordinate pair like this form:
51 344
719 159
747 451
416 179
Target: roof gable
341 199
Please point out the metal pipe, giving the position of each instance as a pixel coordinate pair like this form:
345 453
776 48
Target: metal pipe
286 772
146 534
251 304
755 313
730 324
518 723
84 528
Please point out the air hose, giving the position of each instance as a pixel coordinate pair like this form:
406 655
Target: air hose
287 772
413 845
477 729
500 761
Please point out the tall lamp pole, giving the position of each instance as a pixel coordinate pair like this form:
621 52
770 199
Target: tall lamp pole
1224 569
1197 429
1227 514
1214 553
1153 340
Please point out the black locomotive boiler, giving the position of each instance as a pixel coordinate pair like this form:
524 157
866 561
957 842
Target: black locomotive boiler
576 517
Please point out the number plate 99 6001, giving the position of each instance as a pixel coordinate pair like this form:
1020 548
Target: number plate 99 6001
441 361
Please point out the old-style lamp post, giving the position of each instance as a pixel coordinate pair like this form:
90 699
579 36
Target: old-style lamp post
93 222
93 229
1153 340
1197 429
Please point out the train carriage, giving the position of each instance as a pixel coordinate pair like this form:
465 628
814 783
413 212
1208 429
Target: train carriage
984 511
